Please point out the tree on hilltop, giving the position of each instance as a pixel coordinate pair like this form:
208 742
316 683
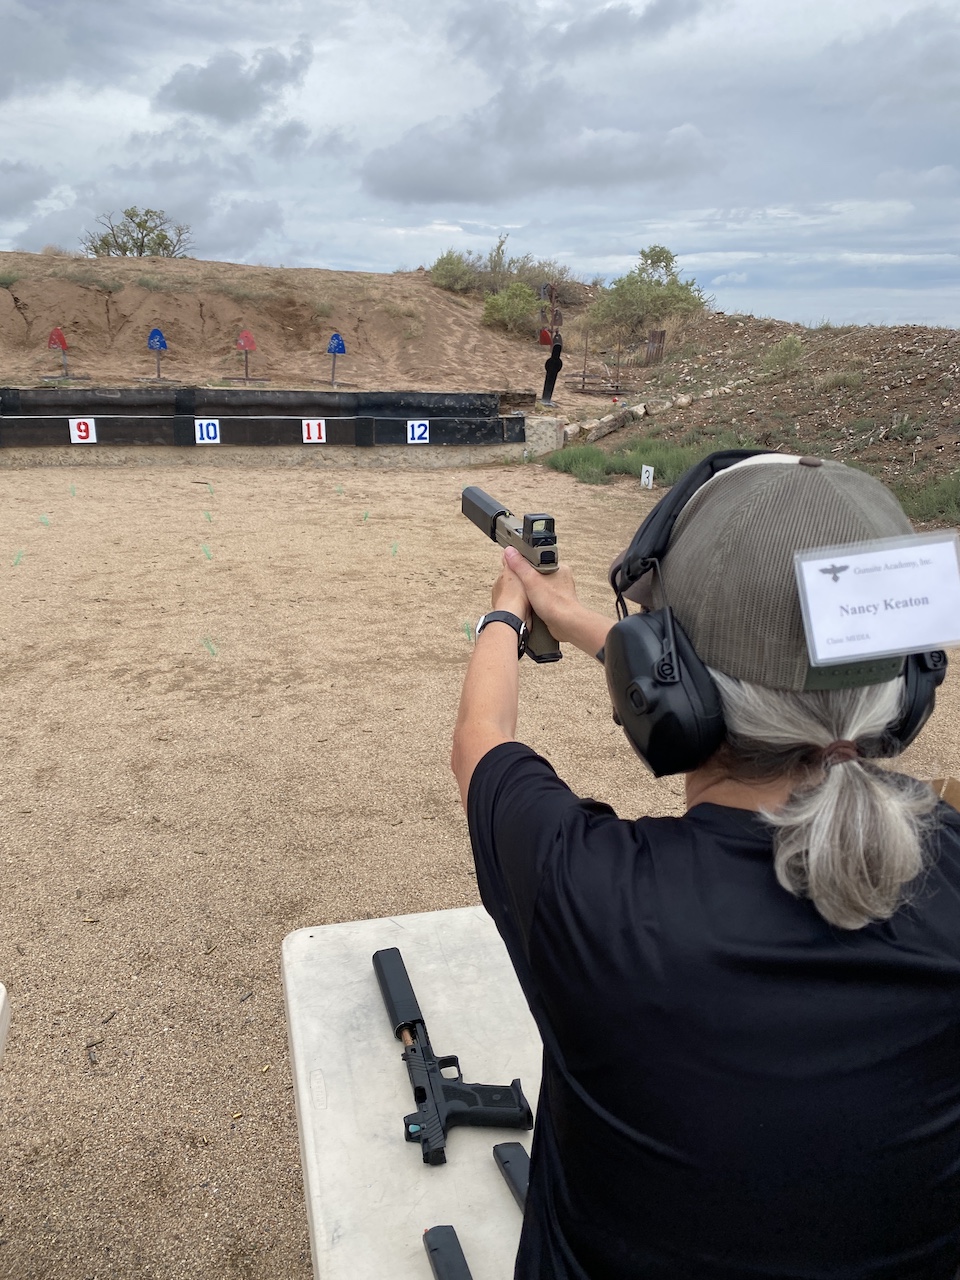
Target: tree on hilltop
646 296
140 233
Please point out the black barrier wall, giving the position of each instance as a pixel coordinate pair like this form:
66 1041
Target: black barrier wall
191 416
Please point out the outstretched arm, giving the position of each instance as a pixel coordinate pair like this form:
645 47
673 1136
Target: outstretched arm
488 702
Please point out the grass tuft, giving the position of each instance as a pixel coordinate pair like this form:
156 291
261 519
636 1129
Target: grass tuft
838 379
936 501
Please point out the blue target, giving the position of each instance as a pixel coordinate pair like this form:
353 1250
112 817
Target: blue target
336 346
156 341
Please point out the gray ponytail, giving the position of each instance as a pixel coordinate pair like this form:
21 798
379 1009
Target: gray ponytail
851 836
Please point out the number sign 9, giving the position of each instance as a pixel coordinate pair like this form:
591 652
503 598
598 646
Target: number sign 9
314 430
83 430
207 430
418 432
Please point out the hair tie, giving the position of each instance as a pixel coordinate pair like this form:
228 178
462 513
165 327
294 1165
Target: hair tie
839 753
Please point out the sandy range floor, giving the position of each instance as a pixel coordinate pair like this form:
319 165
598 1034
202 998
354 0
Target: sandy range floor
227 698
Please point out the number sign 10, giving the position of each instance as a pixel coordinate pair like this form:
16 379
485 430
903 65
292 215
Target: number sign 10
418 432
83 430
314 430
207 430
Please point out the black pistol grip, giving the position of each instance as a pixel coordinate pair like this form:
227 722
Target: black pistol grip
493 1106
541 645
396 989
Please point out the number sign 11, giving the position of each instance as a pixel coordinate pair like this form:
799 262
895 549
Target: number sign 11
83 430
207 430
314 430
418 432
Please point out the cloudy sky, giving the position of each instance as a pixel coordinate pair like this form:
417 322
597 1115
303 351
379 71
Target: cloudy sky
800 157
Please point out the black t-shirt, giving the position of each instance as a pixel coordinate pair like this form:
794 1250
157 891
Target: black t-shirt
732 1088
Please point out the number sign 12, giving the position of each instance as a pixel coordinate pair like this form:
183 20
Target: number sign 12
314 430
418 432
207 430
83 430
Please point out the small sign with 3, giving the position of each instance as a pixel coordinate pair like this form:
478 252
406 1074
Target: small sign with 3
314 430
418 432
83 430
207 430
646 477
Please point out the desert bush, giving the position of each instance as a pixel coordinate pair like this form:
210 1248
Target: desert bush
457 272
783 356
460 271
514 309
645 297
851 379
7 279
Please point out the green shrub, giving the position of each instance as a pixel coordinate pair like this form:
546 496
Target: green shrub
456 272
460 271
514 309
645 297
6 280
783 356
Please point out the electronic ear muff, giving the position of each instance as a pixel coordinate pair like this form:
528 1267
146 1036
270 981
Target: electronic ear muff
923 675
663 695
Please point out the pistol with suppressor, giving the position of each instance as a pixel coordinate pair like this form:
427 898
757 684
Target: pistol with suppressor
442 1101
536 540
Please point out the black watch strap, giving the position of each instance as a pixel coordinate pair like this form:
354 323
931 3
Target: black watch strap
511 619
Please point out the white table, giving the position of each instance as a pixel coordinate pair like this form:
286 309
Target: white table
369 1195
4 1018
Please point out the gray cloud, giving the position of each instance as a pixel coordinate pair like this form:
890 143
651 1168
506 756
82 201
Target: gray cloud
230 89
512 146
285 141
506 34
615 27
100 42
237 229
20 186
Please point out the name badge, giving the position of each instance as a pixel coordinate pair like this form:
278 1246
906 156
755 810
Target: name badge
875 599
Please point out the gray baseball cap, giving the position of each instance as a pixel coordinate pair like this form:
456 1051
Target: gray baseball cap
728 573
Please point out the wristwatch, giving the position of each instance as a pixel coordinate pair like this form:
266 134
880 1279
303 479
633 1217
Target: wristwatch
511 619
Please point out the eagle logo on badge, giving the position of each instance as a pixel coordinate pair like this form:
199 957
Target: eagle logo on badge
835 570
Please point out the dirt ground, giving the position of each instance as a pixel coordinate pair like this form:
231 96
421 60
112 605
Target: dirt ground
227 699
